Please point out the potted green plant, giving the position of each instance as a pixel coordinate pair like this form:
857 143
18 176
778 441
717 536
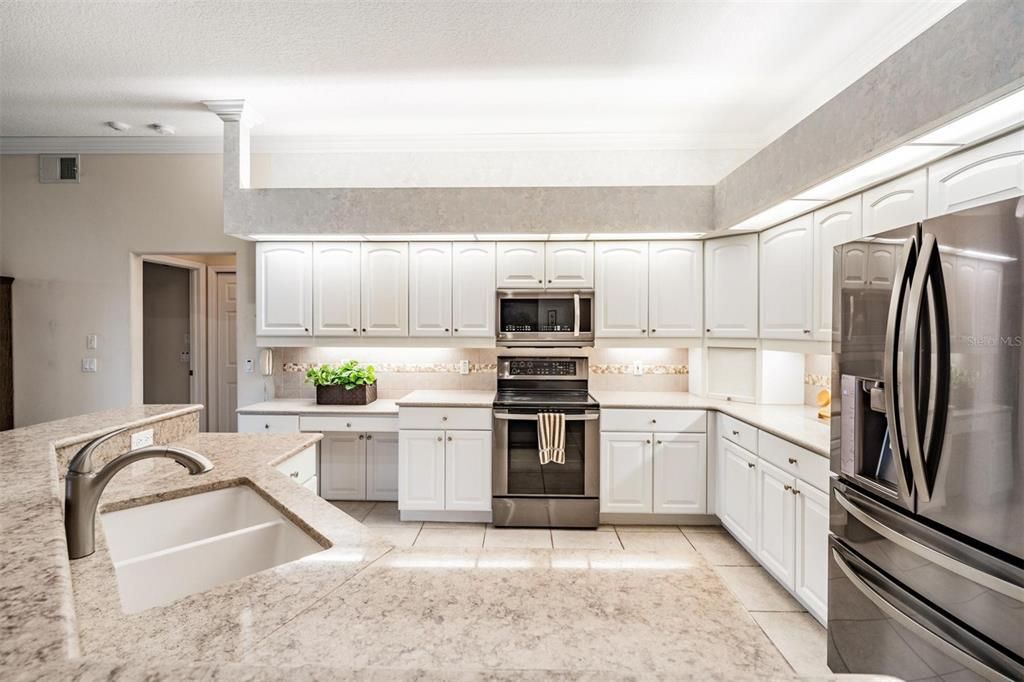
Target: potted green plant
344 384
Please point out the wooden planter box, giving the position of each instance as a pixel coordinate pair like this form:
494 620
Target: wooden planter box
339 395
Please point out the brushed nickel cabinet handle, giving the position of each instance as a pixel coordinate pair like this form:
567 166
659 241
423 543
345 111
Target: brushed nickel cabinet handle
792 460
735 433
787 487
294 474
751 465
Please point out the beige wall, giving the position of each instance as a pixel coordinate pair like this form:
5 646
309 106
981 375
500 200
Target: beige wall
69 248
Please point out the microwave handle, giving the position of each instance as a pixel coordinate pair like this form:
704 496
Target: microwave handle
576 317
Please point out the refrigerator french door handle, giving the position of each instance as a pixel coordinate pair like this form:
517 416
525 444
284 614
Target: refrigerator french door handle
894 613
890 374
925 552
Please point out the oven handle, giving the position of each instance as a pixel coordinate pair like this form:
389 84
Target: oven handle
589 417
576 317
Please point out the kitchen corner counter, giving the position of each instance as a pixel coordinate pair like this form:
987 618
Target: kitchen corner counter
798 424
447 398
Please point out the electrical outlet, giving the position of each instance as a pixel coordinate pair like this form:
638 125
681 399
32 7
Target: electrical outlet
638 368
142 439
463 366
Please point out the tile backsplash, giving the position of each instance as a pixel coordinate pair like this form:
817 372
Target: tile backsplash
400 370
818 375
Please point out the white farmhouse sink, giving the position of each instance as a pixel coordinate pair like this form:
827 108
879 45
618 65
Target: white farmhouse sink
167 550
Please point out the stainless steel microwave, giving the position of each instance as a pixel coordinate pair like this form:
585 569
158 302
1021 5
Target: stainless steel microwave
544 318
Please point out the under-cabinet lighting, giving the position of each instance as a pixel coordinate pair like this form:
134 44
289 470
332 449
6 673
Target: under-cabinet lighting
630 236
888 165
1000 115
326 237
513 237
418 237
578 237
790 208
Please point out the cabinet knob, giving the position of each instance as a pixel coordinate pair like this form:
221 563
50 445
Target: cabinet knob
348 425
708 331
735 433
444 419
307 329
456 329
807 331
549 281
266 426
446 328
355 329
364 330
795 491
369 436
654 421
439 439
540 281
653 330
659 442
787 487
751 465
449 439
294 474
792 460
648 441
361 436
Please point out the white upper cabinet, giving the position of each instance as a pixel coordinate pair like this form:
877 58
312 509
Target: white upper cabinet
900 202
621 289
336 289
385 290
473 297
521 265
787 253
676 289
680 473
730 287
569 265
284 289
981 175
833 225
882 265
430 289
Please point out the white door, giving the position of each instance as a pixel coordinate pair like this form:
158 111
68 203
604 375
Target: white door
343 466
738 492
473 291
420 470
284 289
676 289
981 175
882 265
336 289
855 265
811 584
787 255
902 201
385 290
467 471
382 466
430 289
224 386
626 472
569 265
834 225
621 289
520 265
776 522
680 473
730 287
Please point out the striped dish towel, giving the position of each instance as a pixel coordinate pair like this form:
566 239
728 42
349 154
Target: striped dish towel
551 437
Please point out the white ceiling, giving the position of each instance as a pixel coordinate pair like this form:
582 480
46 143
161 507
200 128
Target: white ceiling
702 75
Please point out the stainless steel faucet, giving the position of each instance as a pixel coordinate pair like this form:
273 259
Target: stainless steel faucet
83 486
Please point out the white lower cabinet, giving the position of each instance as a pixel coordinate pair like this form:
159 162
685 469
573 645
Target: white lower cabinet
811 580
382 466
653 473
359 466
626 472
776 522
680 473
444 470
737 500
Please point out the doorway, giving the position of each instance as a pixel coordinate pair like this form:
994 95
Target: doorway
166 334
222 383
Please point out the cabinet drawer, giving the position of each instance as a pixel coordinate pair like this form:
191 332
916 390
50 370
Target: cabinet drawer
738 432
300 467
677 421
269 423
462 418
793 459
341 423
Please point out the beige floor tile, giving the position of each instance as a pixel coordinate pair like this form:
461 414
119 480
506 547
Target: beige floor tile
517 538
357 510
711 528
720 549
450 525
400 536
647 529
584 539
609 528
799 637
645 541
756 589
451 537
384 514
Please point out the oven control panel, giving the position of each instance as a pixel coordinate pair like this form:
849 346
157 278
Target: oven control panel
542 367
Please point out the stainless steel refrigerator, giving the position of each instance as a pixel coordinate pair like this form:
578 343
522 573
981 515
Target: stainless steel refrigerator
926 550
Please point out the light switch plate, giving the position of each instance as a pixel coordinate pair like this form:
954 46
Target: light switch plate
463 366
91 342
142 439
638 368
89 365
249 368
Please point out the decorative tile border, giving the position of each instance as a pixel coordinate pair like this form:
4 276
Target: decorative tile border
822 380
406 368
627 368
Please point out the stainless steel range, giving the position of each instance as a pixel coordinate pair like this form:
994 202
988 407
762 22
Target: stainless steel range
526 492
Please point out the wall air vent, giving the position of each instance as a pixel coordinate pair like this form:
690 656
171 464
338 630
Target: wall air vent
59 167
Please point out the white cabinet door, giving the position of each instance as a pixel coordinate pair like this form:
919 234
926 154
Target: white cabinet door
336 289
737 501
420 470
430 289
520 265
676 289
900 202
385 290
981 175
382 466
787 255
473 293
284 289
626 472
621 289
343 466
833 225
855 265
881 270
569 265
776 522
730 287
467 467
680 473
812 550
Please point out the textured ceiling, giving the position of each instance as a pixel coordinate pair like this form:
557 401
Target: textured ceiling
712 74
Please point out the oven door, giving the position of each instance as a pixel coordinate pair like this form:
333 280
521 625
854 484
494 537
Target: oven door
517 471
549 318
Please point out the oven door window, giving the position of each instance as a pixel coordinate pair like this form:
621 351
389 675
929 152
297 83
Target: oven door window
527 476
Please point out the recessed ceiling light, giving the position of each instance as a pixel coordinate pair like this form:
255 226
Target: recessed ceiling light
161 129
119 126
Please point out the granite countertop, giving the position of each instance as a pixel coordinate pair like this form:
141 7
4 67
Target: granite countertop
447 398
383 406
798 424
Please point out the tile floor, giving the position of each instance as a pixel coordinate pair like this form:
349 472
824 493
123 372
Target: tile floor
795 633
